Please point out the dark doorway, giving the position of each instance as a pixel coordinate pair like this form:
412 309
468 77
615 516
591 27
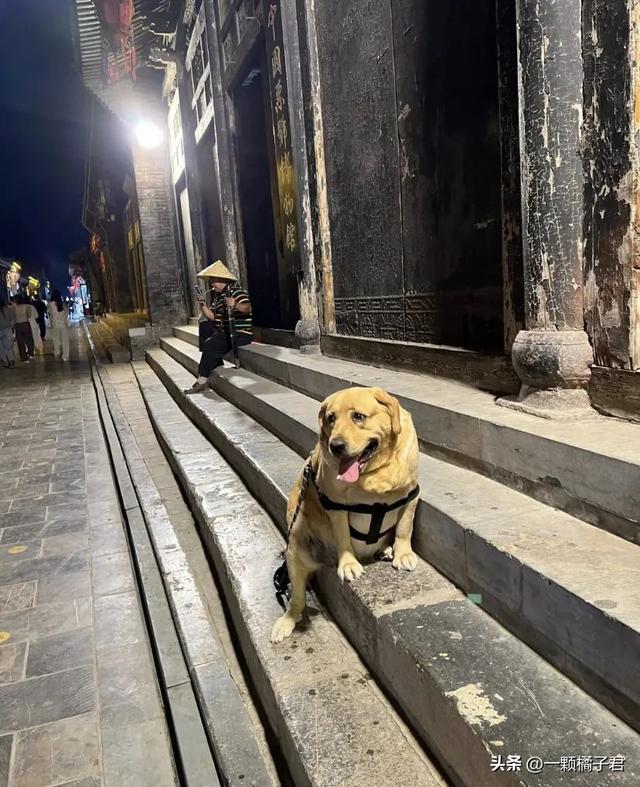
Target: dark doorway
412 150
187 248
273 288
210 197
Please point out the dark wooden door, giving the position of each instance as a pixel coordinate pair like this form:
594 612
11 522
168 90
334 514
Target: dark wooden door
410 112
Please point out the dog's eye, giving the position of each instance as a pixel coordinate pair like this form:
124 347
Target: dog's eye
358 417
331 418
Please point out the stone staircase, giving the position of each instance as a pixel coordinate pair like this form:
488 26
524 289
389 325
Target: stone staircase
111 335
104 339
517 636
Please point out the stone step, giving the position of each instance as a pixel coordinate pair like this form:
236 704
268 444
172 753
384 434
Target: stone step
578 468
184 352
105 340
188 333
532 565
190 741
169 541
332 722
471 689
280 338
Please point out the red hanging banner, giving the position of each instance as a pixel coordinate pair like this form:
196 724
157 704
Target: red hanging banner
116 17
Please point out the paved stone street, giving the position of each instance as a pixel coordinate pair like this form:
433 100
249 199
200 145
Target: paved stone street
79 702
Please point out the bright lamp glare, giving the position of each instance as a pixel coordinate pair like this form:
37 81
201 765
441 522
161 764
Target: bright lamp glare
148 134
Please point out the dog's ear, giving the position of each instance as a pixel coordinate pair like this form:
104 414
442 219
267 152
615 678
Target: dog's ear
392 405
321 416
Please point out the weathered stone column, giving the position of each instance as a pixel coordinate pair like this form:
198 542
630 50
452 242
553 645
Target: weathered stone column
308 326
552 356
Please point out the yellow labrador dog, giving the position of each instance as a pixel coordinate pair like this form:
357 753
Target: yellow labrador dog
357 494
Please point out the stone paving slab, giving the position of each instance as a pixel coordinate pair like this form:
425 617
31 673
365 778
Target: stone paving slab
74 694
214 681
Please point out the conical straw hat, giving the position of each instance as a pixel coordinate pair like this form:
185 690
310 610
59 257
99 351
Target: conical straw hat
217 271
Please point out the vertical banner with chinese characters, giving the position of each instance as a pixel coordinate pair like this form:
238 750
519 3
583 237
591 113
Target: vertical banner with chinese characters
282 134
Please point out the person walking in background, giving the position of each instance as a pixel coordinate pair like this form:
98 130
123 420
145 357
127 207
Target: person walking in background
24 335
39 305
58 325
7 322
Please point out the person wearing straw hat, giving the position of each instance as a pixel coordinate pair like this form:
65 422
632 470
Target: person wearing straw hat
225 324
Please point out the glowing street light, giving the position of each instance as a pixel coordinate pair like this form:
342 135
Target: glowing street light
148 134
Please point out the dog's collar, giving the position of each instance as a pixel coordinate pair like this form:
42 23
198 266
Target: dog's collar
377 512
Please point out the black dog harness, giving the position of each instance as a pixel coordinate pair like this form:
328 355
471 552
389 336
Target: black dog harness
377 512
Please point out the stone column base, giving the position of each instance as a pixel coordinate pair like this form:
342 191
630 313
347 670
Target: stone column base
307 333
560 404
554 368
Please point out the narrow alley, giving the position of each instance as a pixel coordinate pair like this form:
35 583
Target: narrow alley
320 393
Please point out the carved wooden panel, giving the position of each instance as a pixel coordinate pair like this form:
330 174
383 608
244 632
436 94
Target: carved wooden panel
410 318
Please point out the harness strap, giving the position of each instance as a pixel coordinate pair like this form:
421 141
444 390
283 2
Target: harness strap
377 512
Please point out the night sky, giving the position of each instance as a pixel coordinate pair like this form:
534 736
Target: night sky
42 137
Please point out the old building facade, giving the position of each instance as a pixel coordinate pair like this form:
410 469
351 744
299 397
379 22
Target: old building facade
447 186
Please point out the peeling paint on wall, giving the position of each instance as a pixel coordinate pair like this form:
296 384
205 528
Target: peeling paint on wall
324 272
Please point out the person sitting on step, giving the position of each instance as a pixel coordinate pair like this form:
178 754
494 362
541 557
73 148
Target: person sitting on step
219 334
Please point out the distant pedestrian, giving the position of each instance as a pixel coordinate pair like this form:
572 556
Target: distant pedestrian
41 308
25 313
7 323
59 325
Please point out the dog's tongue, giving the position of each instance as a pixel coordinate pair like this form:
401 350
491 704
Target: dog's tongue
349 470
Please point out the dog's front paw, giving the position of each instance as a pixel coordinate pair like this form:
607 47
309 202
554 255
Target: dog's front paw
282 628
405 560
349 568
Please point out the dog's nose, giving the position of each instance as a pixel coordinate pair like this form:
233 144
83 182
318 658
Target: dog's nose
337 447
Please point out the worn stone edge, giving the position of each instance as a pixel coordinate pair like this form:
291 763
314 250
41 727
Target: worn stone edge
260 770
